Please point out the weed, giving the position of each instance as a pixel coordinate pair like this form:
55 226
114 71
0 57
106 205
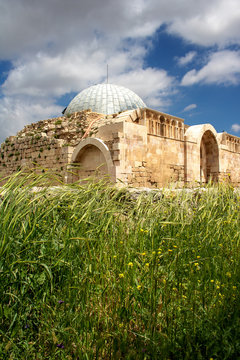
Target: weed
89 272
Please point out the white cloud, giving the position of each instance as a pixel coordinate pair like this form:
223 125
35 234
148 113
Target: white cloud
187 58
153 85
208 22
235 128
16 112
45 75
223 67
59 46
56 25
190 107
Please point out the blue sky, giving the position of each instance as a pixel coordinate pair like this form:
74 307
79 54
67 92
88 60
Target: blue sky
181 57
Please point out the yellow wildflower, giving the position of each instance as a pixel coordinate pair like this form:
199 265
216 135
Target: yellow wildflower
121 276
130 264
139 287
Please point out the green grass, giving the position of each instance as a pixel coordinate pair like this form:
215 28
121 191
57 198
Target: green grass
87 272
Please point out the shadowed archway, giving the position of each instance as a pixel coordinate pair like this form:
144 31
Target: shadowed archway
209 158
92 159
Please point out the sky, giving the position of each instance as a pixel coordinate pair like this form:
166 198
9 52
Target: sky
182 57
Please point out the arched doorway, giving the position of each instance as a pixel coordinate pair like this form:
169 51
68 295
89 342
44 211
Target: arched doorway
91 162
209 158
92 158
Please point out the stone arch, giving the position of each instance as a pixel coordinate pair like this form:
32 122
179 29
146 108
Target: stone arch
94 159
167 127
162 125
209 157
180 128
201 153
173 123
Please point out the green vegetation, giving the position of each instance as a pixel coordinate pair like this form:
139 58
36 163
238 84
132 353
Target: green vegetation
58 122
89 272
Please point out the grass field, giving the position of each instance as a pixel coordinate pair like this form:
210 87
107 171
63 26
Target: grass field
88 272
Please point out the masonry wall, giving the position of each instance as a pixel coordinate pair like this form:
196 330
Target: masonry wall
145 160
229 166
42 154
192 162
145 148
165 161
45 145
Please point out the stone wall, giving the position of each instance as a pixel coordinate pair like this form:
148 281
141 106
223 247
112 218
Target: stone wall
140 148
165 161
45 145
230 166
38 152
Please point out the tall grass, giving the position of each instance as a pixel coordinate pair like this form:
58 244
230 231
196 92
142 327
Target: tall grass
88 272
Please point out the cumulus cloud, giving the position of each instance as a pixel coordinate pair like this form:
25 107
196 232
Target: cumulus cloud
16 112
182 61
54 75
189 107
153 85
57 47
208 22
56 25
235 128
223 67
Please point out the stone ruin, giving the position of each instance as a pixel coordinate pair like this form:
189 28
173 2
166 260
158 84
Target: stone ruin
138 147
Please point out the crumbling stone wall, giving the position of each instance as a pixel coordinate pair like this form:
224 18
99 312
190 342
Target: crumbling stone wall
47 144
146 148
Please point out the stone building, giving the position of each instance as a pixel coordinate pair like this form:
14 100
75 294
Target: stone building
108 130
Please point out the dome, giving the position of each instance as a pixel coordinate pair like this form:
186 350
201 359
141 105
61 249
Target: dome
105 99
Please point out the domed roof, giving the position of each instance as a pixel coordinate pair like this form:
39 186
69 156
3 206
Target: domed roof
105 99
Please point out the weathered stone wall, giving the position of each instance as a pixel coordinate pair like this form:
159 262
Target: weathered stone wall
45 145
230 166
141 148
133 144
39 152
165 161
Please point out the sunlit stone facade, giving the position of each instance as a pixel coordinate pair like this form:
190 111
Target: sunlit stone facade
140 147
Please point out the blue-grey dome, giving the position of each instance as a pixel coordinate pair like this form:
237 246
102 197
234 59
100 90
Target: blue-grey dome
105 99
